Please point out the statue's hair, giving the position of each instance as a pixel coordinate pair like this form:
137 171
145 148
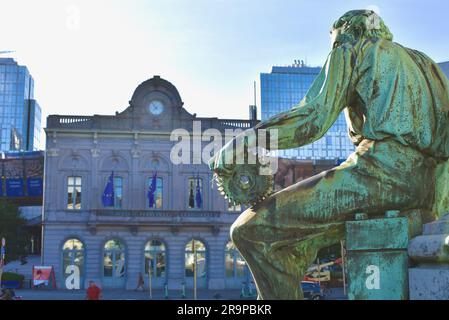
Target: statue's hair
357 24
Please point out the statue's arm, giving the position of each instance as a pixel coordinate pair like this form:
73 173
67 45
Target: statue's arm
321 106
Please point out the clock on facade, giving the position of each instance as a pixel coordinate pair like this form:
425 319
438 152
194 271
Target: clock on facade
156 107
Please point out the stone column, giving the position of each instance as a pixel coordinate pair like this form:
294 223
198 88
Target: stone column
216 272
134 260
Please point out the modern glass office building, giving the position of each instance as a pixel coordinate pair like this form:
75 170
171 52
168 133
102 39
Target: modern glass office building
20 114
282 89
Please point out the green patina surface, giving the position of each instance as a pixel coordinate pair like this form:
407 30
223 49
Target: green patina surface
377 275
377 259
377 234
396 100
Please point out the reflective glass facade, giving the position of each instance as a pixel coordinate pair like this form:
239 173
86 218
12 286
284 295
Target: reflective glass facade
284 88
20 114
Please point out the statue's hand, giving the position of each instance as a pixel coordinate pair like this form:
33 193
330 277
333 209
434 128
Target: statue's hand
242 183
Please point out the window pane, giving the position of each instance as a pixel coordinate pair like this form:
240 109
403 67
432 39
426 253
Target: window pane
160 264
155 255
158 198
78 197
159 189
195 194
120 264
107 264
229 260
240 265
79 261
200 251
70 196
114 244
232 207
73 193
118 192
189 265
148 260
73 244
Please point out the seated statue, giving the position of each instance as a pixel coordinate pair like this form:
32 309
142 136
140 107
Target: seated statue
396 103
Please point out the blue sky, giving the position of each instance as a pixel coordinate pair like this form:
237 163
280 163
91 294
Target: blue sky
87 57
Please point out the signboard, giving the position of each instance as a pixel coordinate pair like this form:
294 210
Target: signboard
34 169
23 175
34 187
13 171
43 275
14 187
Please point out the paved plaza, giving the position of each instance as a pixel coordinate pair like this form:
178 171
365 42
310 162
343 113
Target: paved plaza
39 294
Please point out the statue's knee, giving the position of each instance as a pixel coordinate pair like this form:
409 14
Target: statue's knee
239 229
236 233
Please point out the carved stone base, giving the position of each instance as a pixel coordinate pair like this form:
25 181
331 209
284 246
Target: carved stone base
429 280
427 283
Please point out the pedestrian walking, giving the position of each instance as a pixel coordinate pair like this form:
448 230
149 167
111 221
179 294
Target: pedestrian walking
93 292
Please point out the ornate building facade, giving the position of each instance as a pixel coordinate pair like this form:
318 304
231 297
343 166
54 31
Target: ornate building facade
112 245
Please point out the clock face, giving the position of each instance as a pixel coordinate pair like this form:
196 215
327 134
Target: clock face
156 107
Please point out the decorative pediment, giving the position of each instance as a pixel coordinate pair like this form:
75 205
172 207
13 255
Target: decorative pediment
114 161
74 160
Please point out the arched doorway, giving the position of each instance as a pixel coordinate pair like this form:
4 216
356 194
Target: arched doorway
73 260
195 258
155 260
236 269
114 264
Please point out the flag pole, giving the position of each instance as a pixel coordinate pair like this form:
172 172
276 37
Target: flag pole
149 280
194 269
343 265
2 258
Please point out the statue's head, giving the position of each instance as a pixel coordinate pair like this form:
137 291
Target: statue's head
357 24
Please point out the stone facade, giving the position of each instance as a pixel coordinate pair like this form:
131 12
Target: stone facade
133 144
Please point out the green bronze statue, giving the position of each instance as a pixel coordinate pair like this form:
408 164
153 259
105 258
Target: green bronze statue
396 103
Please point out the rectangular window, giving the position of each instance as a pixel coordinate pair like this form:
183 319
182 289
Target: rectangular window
234 207
118 192
157 193
195 196
74 193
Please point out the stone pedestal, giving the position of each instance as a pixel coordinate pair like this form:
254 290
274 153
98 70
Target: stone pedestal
377 259
429 279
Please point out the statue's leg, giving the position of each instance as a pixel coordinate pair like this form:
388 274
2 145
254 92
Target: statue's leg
280 237
278 268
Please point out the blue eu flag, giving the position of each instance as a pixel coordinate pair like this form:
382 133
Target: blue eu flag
198 196
108 194
152 190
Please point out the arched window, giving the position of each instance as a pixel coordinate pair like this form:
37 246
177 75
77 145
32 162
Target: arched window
155 261
73 264
114 264
195 259
236 270
235 264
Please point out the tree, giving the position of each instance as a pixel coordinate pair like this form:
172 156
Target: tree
12 229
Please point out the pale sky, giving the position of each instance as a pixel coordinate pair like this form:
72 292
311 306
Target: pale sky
88 56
